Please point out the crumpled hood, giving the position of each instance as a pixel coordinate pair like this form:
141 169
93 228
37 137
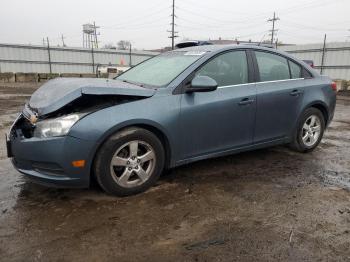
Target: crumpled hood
58 92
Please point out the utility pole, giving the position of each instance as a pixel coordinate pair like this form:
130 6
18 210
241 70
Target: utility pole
63 40
173 33
49 54
323 53
95 34
273 20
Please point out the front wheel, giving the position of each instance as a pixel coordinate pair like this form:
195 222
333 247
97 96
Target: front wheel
309 131
129 162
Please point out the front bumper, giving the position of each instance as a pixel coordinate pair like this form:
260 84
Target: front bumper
49 161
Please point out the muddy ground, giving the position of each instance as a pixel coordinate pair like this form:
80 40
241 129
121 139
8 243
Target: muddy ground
267 205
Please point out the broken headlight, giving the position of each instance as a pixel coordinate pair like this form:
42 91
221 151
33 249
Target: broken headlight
55 127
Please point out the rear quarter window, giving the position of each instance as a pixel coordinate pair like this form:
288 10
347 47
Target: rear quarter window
305 73
295 70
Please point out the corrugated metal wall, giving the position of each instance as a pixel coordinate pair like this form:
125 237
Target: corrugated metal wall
336 60
35 59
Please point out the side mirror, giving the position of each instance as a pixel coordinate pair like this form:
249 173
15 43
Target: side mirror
202 84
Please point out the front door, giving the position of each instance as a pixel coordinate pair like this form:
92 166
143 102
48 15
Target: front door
222 119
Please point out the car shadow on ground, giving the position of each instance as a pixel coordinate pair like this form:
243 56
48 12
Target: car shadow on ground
258 164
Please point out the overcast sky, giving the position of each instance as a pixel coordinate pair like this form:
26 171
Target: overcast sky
145 23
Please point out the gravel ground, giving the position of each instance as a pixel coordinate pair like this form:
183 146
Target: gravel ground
267 205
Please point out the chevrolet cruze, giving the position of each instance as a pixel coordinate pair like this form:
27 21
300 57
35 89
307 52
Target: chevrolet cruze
178 107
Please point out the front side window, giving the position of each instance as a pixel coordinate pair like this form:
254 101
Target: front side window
160 70
227 69
272 67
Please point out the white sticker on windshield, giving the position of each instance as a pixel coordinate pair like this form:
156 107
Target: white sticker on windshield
195 53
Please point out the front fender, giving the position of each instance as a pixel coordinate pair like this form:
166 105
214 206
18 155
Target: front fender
160 113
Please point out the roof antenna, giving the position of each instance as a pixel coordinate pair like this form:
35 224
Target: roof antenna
262 39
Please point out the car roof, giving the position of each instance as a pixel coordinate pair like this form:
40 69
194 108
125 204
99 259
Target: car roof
214 48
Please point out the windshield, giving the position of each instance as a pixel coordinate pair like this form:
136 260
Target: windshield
160 70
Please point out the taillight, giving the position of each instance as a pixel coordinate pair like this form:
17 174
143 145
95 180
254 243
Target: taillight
334 86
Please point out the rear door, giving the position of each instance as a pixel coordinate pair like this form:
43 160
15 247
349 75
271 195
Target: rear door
280 89
222 119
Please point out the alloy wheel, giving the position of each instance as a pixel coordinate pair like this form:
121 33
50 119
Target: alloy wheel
311 130
132 164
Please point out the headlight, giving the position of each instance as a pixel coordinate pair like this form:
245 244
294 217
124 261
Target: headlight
55 127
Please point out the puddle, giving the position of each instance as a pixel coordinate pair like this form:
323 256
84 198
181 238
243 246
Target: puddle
334 178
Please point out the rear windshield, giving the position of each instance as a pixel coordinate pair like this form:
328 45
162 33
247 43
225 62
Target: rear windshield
160 70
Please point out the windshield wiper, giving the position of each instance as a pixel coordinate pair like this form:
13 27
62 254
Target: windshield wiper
133 83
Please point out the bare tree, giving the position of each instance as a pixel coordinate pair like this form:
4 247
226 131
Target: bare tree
109 46
123 45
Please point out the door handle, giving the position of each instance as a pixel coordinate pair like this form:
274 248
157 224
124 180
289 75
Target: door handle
296 92
246 101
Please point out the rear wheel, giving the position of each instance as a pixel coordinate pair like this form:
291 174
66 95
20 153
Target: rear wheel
129 162
309 131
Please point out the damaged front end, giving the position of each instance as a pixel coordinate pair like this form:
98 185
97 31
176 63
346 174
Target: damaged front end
39 142
56 106
30 124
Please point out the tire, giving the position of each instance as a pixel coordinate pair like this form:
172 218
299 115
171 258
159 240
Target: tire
307 136
129 162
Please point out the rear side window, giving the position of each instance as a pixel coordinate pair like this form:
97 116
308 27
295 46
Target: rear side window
272 67
227 69
295 70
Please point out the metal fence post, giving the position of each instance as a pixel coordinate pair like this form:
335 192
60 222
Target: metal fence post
323 53
130 64
49 53
93 59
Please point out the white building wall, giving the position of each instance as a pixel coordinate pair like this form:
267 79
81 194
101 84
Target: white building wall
35 59
336 59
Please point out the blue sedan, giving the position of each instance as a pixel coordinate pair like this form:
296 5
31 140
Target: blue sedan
181 106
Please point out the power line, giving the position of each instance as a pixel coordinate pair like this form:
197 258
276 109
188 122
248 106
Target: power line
221 21
273 30
307 27
216 25
139 24
138 20
211 8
